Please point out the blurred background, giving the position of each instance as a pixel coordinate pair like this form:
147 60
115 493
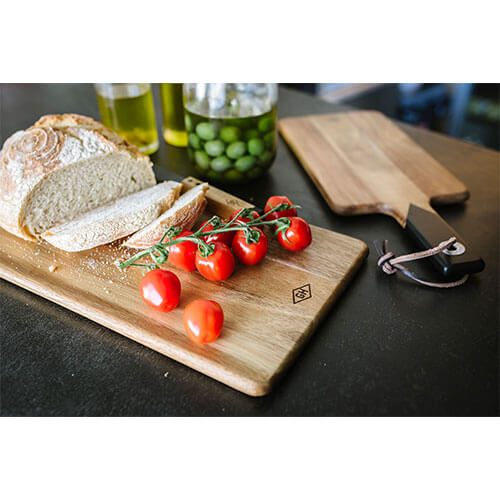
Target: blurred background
467 111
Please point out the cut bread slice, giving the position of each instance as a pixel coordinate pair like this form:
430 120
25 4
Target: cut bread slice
114 221
183 213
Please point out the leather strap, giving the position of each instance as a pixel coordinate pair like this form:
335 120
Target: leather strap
389 263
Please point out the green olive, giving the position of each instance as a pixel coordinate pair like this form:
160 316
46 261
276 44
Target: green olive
251 134
206 131
269 139
214 148
254 173
188 122
230 134
221 163
245 163
233 176
265 158
255 146
236 149
265 124
201 158
194 141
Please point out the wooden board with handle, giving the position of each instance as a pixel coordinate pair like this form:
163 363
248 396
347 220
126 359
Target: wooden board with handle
270 309
363 163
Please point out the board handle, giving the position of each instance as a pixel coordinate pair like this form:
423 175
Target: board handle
429 229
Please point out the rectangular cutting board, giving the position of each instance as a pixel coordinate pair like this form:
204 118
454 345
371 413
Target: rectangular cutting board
270 309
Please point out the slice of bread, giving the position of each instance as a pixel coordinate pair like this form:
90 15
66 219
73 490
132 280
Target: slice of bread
61 167
183 213
113 221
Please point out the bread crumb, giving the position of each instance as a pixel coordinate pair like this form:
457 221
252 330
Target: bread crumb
165 374
52 268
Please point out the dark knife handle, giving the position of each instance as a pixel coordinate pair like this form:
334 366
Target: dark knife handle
428 229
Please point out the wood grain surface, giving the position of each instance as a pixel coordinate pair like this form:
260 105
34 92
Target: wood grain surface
363 163
270 309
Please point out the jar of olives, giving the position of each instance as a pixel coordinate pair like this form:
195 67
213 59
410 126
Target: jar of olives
231 129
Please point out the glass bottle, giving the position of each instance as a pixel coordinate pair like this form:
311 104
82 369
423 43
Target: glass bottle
174 131
128 109
231 129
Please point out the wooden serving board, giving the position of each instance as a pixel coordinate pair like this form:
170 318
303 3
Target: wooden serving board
270 309
363 163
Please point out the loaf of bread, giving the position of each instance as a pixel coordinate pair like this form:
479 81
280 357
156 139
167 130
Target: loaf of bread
184 213
114 221
62 167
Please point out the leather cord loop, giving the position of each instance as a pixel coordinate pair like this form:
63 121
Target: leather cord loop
390 264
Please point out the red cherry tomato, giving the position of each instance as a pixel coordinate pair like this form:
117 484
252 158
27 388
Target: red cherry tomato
203 320
253 215
298 234
160 289
249 253
182 255
225 238
274 201
217 266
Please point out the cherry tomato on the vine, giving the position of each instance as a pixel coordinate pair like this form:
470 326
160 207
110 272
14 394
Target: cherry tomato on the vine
249 253
298 234
219 265
274 201
182 255
226 238
160 289
203 320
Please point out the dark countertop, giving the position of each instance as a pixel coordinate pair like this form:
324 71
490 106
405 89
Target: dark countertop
387 347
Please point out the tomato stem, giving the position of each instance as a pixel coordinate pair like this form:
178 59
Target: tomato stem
159 253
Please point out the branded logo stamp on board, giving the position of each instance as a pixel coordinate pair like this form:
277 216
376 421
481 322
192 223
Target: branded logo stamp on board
301 293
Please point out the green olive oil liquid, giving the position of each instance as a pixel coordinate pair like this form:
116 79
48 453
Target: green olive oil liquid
132 117
174 130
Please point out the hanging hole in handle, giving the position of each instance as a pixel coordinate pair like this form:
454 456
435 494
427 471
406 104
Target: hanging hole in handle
456 249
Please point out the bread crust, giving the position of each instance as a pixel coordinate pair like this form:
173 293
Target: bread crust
184 217
69 120
29 156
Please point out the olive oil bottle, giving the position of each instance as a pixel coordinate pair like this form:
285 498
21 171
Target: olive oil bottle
174 130
128 109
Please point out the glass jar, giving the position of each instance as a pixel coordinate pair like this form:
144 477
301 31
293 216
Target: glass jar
128 109
231 129
174 131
